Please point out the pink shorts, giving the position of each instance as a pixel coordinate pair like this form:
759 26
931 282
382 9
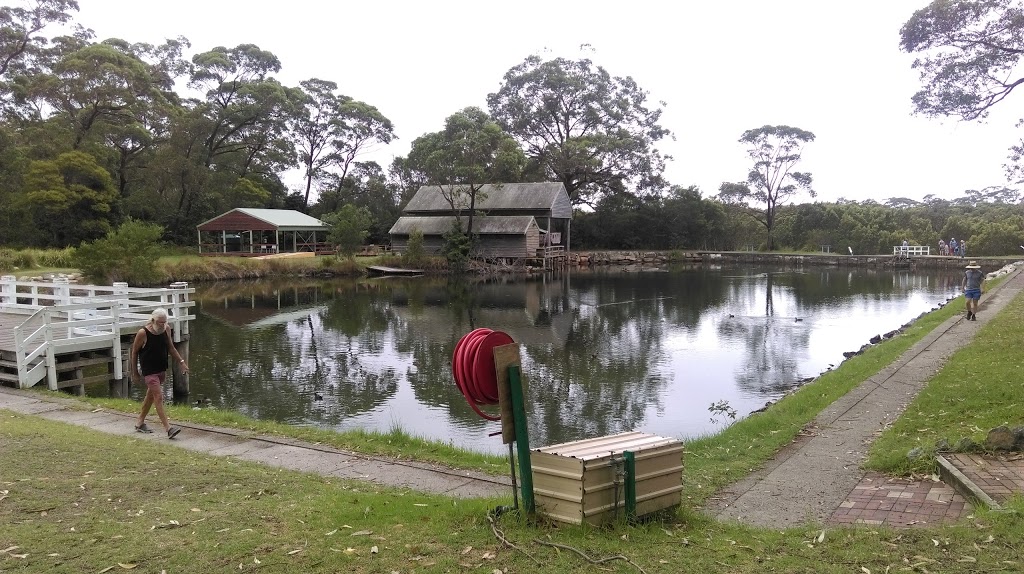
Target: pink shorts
154 381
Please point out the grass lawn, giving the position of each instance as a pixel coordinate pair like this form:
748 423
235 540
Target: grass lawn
979 389
74 500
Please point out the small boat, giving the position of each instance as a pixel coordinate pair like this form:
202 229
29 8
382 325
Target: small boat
381 270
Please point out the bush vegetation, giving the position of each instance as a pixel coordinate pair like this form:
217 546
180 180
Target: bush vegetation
12 260
128 253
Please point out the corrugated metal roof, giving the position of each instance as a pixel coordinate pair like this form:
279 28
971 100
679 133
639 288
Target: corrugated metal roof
548 195
279 218
283 217
438 225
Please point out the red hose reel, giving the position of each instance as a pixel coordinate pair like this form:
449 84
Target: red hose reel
473 368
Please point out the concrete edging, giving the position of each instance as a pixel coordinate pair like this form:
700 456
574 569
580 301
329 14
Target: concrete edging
952 476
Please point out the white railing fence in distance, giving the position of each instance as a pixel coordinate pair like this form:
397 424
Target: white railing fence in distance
911 250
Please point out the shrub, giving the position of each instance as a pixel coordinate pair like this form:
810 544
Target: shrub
456 247
349 227
414 251
60 258
128 253
11 259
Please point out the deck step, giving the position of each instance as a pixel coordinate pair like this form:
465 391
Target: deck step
9 378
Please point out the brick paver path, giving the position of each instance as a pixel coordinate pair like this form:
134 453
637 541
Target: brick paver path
999 477
900 502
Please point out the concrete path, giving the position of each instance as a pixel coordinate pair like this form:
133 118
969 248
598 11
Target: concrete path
809 479
273 451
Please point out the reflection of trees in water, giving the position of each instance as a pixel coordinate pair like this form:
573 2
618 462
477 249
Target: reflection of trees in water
594 345
773 344
430 318
606 375
274 372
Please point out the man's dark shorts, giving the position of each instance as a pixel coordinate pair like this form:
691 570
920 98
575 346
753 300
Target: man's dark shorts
973 294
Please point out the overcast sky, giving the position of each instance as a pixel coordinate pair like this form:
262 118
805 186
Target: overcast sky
721 67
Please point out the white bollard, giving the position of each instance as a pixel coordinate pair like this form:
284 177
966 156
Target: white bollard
7 290
61 291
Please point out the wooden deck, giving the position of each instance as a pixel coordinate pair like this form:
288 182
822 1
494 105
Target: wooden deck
8 321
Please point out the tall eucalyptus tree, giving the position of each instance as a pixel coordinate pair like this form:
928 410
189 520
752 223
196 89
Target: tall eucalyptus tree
580 125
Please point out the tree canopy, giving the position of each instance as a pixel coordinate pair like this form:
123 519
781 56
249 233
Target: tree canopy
472 150
772 180
94 133
968 51
969 54
580 125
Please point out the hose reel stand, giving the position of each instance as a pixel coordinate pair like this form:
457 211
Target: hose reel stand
486 368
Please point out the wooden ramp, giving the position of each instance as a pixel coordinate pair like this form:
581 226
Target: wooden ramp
381 270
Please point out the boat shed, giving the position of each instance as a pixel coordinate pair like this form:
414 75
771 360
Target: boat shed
248 232
512 236
546 202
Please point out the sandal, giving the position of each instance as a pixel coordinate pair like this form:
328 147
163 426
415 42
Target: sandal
173 432
143 428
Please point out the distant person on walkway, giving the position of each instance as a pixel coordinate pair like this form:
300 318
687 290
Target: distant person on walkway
963 248
942 247
906 244
952 246
971 285
148 363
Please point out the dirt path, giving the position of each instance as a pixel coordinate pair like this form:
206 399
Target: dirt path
808 480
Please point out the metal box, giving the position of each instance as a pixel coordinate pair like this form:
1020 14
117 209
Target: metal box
582 481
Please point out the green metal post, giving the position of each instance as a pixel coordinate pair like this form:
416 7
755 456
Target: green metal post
522 438
630 463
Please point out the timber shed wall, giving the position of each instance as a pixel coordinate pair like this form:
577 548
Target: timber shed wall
431 244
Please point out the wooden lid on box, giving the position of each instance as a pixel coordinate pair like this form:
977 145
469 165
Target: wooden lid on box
592 448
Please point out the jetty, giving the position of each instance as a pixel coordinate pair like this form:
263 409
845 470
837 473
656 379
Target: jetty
63 333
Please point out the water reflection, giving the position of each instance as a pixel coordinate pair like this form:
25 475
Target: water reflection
602 352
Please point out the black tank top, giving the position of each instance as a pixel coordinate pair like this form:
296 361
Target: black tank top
153 355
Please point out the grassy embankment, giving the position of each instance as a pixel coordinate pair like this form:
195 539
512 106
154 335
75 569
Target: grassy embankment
74 500
180 265
22 262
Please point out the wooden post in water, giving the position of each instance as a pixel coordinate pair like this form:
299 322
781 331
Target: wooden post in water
78 374
121 388
180 336
180 377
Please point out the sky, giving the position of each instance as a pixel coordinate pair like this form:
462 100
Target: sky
721 67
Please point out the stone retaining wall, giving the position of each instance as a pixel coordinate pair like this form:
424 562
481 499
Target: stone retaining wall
661 258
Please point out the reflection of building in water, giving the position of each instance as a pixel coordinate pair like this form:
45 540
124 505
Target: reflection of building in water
262 307
907 280
532 313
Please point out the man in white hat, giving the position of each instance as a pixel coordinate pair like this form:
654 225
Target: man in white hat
971 285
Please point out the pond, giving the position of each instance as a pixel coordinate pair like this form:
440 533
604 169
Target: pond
603 351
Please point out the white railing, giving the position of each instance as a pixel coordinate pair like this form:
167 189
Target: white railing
83 317
911 250
551 251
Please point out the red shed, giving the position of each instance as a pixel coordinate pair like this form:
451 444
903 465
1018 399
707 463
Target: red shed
247 232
